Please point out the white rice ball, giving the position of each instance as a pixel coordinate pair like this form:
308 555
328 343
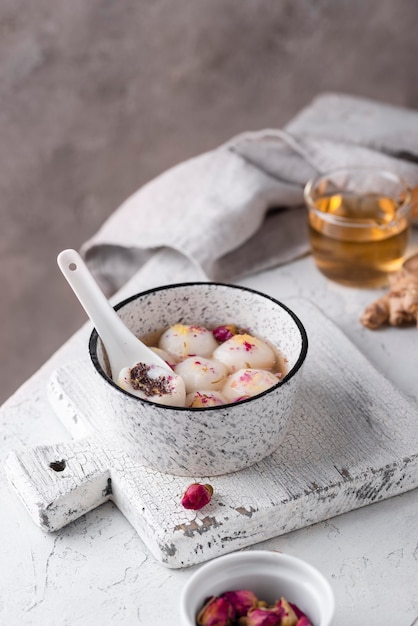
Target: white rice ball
246 383
170 359
245 351
154 383
187 340
202 399
202 373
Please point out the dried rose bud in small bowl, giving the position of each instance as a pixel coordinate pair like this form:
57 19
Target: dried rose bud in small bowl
257 588
243 608
242 600
227 608
217 611
197 496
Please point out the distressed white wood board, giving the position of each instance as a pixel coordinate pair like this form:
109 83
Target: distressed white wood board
353 440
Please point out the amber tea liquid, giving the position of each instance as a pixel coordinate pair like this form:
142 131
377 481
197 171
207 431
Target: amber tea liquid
364 251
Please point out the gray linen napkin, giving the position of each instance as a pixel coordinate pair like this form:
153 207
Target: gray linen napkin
239 209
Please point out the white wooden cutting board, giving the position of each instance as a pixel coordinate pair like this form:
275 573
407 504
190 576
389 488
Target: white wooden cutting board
353 440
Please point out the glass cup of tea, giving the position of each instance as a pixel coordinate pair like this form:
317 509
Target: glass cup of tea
359 224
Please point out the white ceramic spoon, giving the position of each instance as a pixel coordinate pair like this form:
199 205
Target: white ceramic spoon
123 348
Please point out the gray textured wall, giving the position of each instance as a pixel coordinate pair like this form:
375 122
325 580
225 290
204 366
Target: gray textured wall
98 97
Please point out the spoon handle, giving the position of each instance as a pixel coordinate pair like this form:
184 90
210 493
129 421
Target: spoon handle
122 347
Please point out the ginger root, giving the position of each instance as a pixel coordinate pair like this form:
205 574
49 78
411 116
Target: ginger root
400 305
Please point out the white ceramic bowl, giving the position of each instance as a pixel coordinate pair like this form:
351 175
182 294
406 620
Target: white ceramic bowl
213 440
270 575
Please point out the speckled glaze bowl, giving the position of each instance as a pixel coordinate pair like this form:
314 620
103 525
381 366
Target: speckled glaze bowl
213 440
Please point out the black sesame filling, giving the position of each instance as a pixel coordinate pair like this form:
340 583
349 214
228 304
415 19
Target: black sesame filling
141 381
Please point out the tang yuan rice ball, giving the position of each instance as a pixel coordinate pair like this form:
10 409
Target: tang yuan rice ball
202 373
245 351
183 340
154 383
202 399
170 359
246 383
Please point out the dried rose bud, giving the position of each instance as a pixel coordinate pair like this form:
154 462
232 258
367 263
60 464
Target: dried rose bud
197 496
222 333
242 600
303 619
289 617
263 616
217 611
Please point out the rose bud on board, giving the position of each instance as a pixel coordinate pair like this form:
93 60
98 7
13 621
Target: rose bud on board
197 496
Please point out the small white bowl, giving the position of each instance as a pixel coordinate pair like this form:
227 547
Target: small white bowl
270 575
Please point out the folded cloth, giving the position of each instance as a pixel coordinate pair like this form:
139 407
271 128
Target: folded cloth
239 209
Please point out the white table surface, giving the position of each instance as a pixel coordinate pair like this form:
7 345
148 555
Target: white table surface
98 571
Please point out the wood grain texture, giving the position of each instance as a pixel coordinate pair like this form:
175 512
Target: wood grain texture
353 441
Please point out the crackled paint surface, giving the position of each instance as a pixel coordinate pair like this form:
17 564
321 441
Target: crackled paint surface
353 441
